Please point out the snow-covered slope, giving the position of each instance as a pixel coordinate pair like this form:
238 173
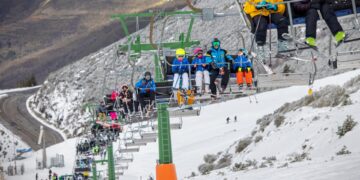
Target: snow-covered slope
209 134
64 93
9 142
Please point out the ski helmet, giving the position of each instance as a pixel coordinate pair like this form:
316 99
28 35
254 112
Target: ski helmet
180 52
197 51
216 42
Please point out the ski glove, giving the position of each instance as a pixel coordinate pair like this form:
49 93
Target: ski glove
261 5
248 69
273 7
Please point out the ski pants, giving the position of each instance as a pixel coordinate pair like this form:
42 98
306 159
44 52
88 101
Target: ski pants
184 78
327 12
224 80
128 106
142 97
200 75
240 75
279 20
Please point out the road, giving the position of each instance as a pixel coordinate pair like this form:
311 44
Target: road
15 117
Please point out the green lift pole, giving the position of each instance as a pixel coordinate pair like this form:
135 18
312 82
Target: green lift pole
111 165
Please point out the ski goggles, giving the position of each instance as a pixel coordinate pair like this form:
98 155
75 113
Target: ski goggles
180 56
216 43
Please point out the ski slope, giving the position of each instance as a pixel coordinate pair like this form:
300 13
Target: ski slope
209 134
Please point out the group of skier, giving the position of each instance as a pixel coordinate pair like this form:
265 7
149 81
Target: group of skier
131 100
208 67
262 12
214 63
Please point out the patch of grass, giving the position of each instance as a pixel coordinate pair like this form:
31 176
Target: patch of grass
347 126
279 120
210 158
225 161
244 166
243 143
343 151
298 157
258 138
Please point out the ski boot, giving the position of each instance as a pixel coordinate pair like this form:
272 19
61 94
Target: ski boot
283 45
340 38
310 41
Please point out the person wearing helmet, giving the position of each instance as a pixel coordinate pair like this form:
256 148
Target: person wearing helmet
202 70
218 59
243 68
180 68
126 99
146 89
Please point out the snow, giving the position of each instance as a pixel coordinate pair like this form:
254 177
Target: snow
9 141
209 134
67 148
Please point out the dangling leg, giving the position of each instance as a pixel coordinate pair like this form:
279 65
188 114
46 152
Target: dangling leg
176 84
331 20
311 25
225 79
282 25
207 81
248 78
198 81
185 81
214 74
240 78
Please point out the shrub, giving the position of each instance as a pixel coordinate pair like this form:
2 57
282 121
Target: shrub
298 157
264 122
244 166
343 151
210 158
258 138
205 168
225 161
347 126
243 143
279 120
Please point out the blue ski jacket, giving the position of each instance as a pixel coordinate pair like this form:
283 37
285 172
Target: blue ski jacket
144 84
199 62
242 62
180 66
219 57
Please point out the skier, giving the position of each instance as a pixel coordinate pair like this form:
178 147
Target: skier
146 89
309 8
126 99
180 68
217 58
262 12
202 72
243 66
